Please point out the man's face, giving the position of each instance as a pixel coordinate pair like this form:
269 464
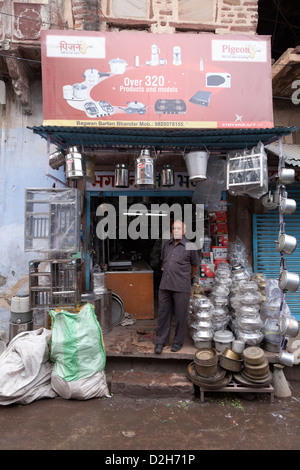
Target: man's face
178 230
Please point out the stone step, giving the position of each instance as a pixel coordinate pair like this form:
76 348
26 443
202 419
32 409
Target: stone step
140 384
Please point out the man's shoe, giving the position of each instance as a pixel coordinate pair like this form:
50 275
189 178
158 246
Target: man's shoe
176 347
158 348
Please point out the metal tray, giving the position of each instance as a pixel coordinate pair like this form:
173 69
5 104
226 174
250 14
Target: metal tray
117 309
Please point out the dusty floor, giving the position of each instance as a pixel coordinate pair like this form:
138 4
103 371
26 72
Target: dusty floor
223 421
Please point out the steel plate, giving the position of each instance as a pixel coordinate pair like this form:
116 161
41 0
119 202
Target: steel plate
117 309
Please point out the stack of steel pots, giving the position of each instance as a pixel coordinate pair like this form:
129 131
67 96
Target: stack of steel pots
256 365
201 311
220 296
247 323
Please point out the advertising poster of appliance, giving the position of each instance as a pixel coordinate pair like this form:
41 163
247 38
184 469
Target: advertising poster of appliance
151 80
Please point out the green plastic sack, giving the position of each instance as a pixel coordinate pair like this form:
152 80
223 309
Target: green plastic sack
77 349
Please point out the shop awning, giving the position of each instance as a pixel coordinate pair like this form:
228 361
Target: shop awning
290 152
160 139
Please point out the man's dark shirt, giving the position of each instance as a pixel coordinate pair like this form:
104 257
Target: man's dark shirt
177 264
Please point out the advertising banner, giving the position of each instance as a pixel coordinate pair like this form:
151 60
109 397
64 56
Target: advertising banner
145 80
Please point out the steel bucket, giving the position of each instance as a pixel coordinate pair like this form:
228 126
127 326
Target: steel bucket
74 164
121 175
196 163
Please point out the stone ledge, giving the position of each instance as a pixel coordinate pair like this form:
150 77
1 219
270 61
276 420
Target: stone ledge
151 385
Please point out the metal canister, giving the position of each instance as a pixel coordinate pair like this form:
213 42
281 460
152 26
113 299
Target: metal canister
167 176
121 175
144 170
74 164
56 159
20 311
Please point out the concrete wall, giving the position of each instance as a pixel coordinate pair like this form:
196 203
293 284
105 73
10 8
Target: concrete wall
23 163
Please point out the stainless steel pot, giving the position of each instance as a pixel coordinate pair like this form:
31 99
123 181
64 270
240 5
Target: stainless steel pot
121 175
288 281
286 244
287 206
56 159
288 326
287 176
285 358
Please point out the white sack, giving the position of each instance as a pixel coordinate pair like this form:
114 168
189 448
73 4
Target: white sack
25 369
81 389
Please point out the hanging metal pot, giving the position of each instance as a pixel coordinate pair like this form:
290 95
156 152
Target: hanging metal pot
268 201
196 163
287 206
74 164
121 175
288 326
288 281
57 159
144 170
286 244
167 176
287 176
286 359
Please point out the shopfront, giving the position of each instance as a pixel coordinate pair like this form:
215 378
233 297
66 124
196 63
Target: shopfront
161 98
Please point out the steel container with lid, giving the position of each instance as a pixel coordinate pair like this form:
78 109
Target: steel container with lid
57 159
74 164
144 170
167 176
121 175
20 311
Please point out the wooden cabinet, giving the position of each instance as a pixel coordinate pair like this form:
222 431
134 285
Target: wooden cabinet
135 288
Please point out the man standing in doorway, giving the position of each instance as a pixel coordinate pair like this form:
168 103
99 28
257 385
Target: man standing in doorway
180 260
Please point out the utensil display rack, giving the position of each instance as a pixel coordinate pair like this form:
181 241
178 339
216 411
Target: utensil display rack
247 166
52 220
53 282
235 387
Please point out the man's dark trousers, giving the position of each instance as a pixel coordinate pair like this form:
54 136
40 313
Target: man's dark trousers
172 302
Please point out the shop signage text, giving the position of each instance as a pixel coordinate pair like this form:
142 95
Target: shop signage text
141 80
105 181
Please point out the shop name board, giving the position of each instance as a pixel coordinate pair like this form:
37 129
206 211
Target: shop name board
146 80
105 181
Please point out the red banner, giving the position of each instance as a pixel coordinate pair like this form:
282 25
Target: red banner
143 80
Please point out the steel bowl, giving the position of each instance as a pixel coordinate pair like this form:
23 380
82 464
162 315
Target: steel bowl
205 356
231 354
232 365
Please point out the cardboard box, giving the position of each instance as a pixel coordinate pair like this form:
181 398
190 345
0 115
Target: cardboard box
221 240
220 252
207 270
217 261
